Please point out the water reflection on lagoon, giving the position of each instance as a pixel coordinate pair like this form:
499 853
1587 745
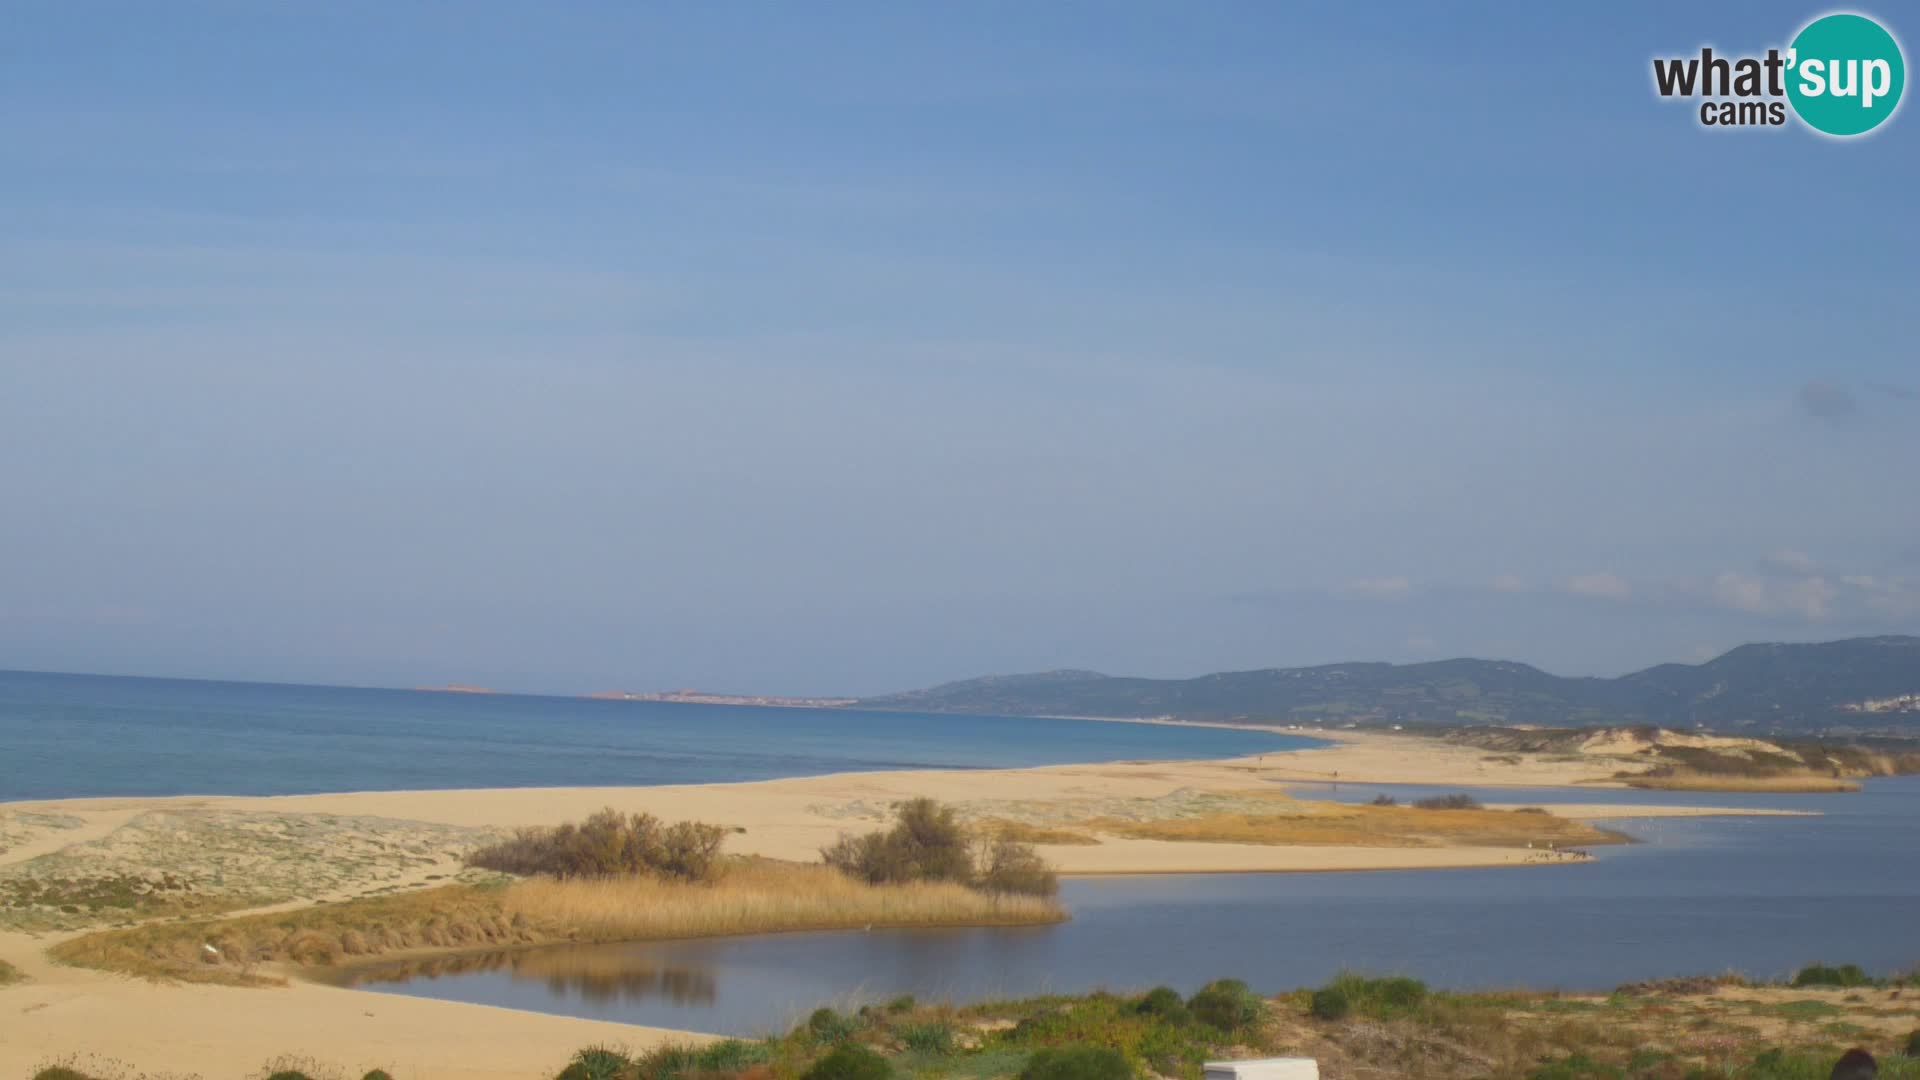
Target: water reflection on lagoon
1762 895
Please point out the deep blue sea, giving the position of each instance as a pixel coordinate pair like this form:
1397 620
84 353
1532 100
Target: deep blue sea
64 736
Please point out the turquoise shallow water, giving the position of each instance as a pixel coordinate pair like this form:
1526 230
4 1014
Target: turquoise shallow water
65 736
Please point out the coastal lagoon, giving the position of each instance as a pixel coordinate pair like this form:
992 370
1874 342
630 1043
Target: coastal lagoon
71 736
1761 895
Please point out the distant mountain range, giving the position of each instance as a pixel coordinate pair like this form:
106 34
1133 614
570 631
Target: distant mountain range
1861 685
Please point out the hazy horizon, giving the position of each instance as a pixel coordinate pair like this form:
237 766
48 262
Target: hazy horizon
583 348
765 692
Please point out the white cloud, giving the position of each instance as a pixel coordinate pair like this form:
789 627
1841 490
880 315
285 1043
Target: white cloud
1509 583
1740 592
1384 588
1887 596
1602 586
1788 561
1808 597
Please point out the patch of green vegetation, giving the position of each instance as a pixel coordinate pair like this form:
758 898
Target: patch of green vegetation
1380 999
1164 1002
1844 975
1575 1066
1077 1063
1226 1005
849 1061
829 1026
1804 1009
932 1037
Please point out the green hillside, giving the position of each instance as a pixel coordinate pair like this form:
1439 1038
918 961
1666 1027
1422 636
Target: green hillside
1789 688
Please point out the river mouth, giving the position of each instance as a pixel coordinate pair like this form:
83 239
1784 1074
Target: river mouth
1761 895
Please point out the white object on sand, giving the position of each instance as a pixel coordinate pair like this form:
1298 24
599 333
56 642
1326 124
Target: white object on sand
1263 1069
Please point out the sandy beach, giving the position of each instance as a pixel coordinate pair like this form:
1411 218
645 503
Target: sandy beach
218 1031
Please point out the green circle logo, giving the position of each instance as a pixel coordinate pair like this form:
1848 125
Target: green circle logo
1845 74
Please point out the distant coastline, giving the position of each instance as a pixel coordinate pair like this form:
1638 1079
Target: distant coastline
702 697
455 688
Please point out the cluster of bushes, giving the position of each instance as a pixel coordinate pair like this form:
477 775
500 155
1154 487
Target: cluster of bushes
1845 975
1379 999
928 842
724 1058
609 844
1098 1036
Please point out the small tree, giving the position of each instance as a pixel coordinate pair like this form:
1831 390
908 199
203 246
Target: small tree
928 843
1009 866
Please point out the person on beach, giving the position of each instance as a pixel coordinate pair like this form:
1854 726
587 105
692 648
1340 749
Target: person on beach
1855 1064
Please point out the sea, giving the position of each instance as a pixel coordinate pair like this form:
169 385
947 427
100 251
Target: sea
70 736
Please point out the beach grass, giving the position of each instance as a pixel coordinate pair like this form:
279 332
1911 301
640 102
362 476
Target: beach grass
750 896
1694 780
1323 823
1028 833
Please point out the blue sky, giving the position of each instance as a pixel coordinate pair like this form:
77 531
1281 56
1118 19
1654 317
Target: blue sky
852 347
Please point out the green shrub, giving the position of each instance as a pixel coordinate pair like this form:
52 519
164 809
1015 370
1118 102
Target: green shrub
1575 1066
731 1056
60 1072
1165 1003
1331 1003
928 843
849 1061
1010 866
933 1037
288 1074
609 844
1384 998
1041 1026
377 1074
829 1026
665 1063
1384 800
1913 1045
902 1004
1077 1063
595 1063
1822 975
1225 1004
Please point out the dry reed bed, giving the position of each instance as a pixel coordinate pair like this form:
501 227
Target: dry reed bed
1368 826
1688 780
751 897
760 898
